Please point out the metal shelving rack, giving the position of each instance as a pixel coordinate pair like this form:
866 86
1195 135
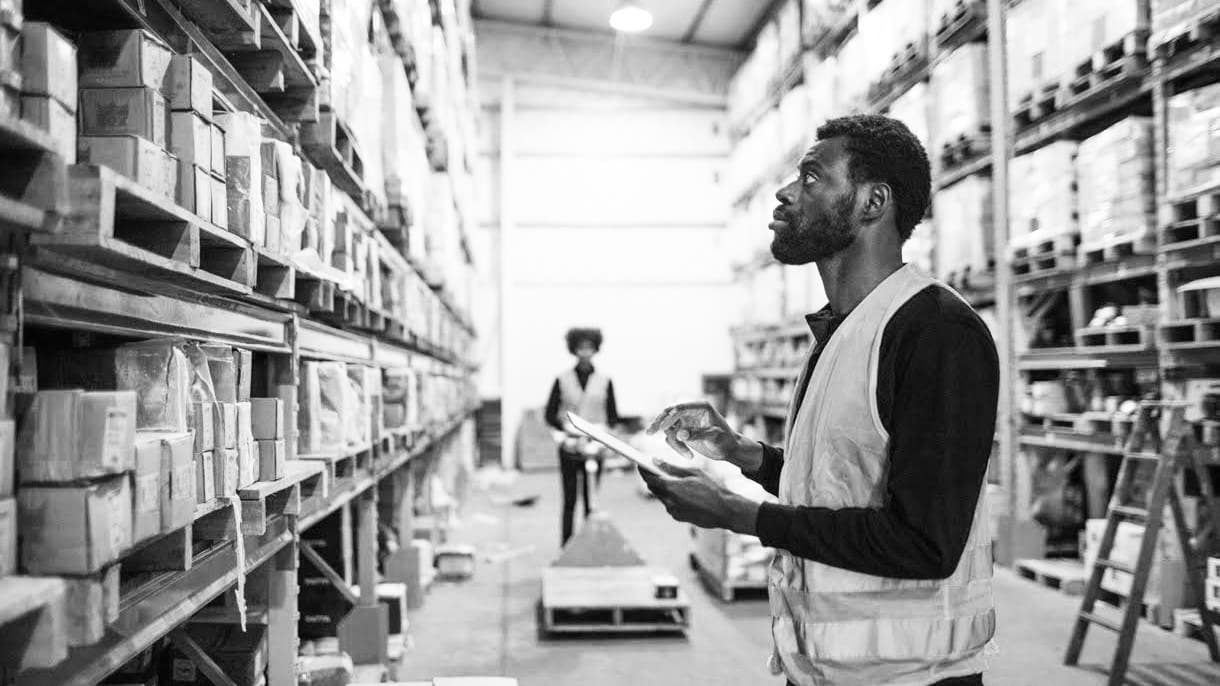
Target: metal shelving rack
62 297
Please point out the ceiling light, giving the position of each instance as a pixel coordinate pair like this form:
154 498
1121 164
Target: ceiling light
630 18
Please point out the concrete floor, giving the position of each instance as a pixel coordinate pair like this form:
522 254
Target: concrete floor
487 626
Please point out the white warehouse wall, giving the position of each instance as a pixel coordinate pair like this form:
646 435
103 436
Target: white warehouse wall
616 218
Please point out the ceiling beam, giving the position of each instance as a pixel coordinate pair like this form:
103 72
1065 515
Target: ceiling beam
766 16
696 21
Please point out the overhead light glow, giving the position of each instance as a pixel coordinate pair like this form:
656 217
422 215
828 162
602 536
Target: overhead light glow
630 18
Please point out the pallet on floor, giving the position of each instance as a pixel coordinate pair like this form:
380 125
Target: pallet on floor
1190 334
725 589
596 600
962 24
116 222
1115 339
34 178
1116 248
1067 576
1120 62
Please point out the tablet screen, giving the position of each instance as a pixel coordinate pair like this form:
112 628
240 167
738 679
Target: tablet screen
612 442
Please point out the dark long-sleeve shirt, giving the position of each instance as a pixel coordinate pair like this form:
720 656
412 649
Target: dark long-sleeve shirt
937 389
582 375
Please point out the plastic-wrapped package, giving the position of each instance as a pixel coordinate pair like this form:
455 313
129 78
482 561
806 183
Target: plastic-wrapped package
1194 140
1115 176
964 231
821 15
355 416
911 108
960 95
853 68
795 126
1170 17
244 174
1043 193
160 375
1104 23
321 410
1036 51
889 28
920 247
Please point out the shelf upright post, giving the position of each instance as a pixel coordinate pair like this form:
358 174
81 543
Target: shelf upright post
364 632
1001 146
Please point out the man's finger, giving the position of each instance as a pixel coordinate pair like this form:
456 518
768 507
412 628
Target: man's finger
675 412
678 446
676 471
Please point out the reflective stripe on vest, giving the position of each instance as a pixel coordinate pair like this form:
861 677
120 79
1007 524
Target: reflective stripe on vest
835 626
589 402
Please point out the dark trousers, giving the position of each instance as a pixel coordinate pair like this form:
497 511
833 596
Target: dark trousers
571 473
971 680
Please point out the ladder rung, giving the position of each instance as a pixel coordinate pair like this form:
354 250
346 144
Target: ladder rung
1101 621
1115 565
1151 457
1130 512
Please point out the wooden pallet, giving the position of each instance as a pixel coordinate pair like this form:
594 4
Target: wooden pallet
962 24
33 179
342 468
907 65
1115 339
1067 576
311 477
1117 248
618 600
120 224
965 149
275 276
1195 32
1192 220
1044 256
1187 624
264 500
275 68
332 146
1034 107
1120 62
1190 334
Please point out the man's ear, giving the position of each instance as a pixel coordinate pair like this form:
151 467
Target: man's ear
879 197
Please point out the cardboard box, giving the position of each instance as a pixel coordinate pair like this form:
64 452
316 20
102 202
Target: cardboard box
169 171
243 172
122 59
229 473
48 64
8 537
190 86
203 426
92 604
74 434
287 394
220 202
222 365
146 488
123 112
74 529
267 418
178 490
161 376
247 459
190 138
194 189
218 150
55 118
8 439
271 457
205 477
134 157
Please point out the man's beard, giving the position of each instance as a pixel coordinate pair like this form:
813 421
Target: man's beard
797 245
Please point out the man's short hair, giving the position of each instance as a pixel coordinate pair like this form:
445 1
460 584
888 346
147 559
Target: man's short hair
578 335
884 150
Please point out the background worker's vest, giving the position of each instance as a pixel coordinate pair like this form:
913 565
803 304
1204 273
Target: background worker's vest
834 626
588 402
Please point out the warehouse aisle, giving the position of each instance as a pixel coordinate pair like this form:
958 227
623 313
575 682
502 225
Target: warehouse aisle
487 626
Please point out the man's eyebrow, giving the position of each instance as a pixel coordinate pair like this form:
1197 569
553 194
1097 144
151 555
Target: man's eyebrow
810 163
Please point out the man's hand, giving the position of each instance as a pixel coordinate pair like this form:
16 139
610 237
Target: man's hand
698 426
691 496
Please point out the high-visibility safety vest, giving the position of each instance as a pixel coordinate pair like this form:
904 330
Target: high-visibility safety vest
834 626
588 402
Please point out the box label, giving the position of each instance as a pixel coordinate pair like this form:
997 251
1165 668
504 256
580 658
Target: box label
181 484
148 495
118 532
113 437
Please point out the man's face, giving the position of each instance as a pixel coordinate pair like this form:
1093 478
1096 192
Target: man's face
585 352
815 215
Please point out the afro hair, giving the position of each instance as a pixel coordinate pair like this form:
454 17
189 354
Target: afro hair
578 335
884 150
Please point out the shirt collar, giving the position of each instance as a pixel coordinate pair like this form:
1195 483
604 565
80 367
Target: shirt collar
823 323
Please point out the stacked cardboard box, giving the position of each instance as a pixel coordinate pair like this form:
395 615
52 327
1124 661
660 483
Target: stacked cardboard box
891 28
1036 49
123 112
243 174
1091 25
911 108
1174 17
1043 194
1194 140
1115 172
194 138
961 95
48 84
965 234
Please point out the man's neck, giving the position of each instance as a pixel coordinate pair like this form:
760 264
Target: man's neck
849 276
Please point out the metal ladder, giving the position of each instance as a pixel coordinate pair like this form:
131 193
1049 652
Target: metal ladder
1172 454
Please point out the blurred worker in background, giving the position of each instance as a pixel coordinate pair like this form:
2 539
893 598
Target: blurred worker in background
588 393
882 573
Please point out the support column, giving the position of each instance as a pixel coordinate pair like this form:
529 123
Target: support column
363 633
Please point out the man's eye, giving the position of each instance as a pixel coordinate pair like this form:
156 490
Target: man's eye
810 178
